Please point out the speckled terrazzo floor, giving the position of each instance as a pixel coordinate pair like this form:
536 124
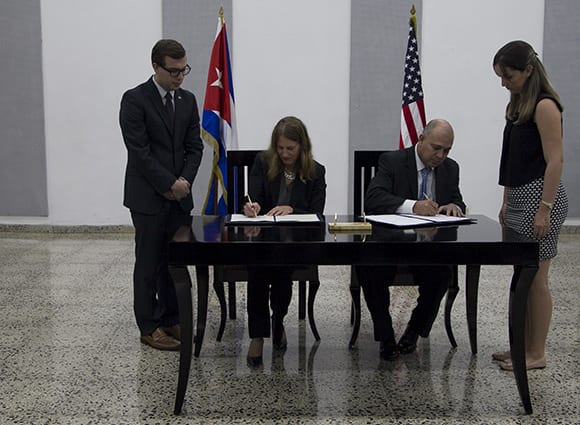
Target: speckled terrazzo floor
70 352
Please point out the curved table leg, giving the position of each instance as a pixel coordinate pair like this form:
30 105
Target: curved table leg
519 289
352 311
452 292
312 290
355 294
221 295
232 299
301 300
202 275
182 283
471 292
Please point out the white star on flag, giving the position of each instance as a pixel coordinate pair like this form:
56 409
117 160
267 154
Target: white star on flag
218 82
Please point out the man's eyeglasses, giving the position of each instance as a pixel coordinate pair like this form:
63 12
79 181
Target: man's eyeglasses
174 72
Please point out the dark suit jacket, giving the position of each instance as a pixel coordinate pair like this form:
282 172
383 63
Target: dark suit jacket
308 197
157 153
396 180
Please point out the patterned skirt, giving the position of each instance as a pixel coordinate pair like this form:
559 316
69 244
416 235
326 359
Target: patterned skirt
522 205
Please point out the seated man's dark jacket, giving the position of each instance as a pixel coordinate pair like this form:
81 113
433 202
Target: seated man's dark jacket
396 180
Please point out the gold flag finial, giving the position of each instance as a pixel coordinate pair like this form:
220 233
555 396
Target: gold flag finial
221 13
413 19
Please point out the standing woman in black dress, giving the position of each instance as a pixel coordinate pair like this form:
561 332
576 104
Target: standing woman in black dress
285 179
534 201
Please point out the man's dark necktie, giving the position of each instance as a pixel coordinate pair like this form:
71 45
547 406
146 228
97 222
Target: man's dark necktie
169 105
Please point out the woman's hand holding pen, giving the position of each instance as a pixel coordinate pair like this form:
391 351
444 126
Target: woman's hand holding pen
251 209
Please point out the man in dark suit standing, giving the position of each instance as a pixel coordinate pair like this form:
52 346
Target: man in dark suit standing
160 126
420 180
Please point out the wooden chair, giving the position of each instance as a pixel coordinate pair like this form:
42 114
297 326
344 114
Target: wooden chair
365 167
239 164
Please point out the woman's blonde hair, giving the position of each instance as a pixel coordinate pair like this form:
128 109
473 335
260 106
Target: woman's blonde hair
294 129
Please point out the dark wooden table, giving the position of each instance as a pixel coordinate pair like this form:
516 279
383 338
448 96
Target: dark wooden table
209 241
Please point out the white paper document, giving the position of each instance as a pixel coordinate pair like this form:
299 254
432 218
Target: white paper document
414 220
290 218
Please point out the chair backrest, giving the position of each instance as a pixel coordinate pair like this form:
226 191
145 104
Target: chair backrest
239 164
366 164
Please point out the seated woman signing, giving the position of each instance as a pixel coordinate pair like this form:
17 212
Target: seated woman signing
285 179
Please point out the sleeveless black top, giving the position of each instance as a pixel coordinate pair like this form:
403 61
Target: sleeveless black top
522 157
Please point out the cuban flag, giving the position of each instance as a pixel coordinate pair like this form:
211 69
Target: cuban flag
218 121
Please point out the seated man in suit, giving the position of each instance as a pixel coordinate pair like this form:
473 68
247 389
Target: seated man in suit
420 180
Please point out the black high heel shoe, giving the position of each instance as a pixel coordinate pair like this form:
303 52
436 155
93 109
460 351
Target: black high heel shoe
255 361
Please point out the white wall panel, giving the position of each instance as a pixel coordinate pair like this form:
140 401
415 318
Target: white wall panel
458 44
92 53
292 58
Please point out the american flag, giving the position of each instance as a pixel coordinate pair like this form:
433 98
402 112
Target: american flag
413 109
219 119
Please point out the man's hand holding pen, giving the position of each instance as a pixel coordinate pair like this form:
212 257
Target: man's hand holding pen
251 209
429 207
426 207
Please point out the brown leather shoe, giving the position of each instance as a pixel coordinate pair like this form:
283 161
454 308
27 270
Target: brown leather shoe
174 331
160 340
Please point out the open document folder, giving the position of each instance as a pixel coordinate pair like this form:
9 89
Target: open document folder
414 220
266 219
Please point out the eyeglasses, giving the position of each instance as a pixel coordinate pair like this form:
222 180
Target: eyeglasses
174 72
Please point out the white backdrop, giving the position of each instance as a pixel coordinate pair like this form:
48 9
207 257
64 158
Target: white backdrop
93 52
458 45
270 84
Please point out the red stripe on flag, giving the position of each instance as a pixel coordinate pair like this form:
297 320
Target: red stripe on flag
410 122
421 108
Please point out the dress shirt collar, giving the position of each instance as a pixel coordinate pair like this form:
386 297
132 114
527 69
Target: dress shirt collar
162 91
420 164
